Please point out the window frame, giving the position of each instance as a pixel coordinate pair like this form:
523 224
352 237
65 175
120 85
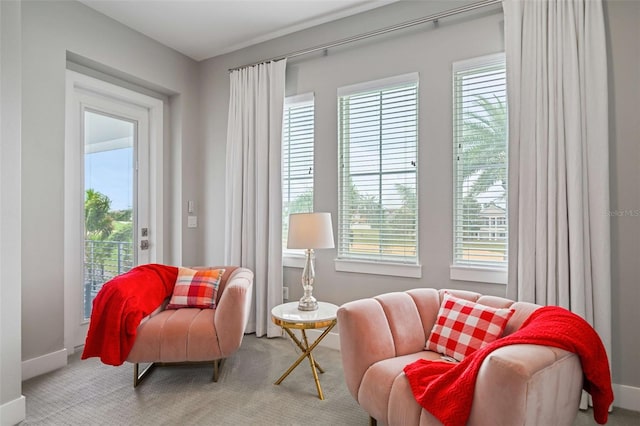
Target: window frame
470 271
363 263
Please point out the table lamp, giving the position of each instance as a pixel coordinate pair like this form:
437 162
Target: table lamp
309 231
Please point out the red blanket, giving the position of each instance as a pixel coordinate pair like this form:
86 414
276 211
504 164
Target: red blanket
119 307
446 389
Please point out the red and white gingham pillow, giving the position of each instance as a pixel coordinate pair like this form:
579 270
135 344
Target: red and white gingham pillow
463 326
195 288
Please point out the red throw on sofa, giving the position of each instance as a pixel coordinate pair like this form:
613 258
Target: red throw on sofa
446 390
119 307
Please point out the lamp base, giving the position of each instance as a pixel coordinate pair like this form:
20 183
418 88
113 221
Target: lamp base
308 303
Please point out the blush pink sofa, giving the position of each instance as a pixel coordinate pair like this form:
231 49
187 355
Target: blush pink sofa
516 385
193 335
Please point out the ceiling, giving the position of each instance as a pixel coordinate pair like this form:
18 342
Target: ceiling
203 29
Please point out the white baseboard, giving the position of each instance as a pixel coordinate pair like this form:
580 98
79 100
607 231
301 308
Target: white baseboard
43 364
627 397
13 412
332 340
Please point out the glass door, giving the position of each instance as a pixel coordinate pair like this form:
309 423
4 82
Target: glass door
109 202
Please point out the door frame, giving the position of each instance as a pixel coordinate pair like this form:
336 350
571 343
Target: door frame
79 86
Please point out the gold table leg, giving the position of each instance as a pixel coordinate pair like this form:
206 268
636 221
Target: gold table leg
304 346
313 367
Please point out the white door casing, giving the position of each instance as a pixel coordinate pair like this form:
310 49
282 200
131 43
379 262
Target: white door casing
84 93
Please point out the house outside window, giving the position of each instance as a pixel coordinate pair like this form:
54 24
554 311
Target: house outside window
480 234
297 163
494 225
378 205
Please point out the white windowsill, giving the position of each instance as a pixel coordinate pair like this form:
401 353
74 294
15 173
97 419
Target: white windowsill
478 274
293 261
378 268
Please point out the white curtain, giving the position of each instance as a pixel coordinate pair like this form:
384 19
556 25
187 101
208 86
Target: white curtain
253 201
559 247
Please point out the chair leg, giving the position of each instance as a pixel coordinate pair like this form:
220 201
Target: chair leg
139 377
217 365
372 421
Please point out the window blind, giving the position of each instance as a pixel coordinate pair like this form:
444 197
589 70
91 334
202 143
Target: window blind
378 209
297 159
480 126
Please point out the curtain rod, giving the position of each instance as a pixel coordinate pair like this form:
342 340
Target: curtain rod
431 18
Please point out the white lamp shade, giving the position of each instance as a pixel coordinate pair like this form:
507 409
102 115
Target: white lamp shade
310 231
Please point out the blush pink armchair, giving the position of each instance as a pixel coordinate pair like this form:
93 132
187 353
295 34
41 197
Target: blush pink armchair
193 335
516 385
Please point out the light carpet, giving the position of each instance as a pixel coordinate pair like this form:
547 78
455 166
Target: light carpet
87 392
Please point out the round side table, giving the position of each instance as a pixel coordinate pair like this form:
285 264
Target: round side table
289 318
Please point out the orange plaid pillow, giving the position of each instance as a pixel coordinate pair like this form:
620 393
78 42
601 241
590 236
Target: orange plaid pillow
195 289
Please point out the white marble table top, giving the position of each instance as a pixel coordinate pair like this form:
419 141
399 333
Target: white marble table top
289 312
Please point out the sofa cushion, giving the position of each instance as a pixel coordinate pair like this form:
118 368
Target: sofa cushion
177 335
381 378
463 326
195 288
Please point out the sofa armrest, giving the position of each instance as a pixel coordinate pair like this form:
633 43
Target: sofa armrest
232 312
365 338
513 387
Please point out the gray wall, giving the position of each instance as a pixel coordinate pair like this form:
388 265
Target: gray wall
623 25
430 52
11 404
424 49
50 30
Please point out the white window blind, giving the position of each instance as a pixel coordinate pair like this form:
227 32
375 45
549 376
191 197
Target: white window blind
480 231
297 159
378 135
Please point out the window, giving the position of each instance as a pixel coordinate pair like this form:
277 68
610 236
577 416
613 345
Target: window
378 135
297 160
480 166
